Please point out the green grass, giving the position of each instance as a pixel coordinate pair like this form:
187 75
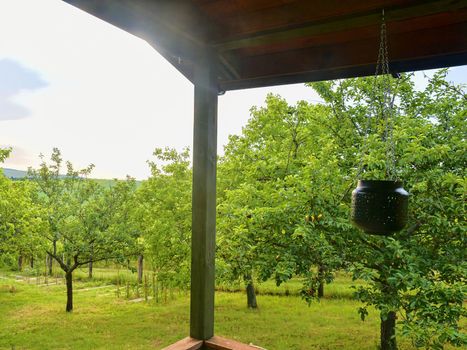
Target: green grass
338 289
33 317
100 274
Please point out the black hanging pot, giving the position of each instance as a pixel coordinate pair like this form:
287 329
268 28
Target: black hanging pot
379 207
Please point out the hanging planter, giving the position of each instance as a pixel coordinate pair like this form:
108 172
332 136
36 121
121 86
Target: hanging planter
379 207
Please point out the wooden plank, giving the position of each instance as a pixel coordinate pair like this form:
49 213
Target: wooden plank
176 36
215 343
252 19
369 32
404 46
140 19
445 60
219 343
340 24
246 16
204 199
186 344
171 27
228 8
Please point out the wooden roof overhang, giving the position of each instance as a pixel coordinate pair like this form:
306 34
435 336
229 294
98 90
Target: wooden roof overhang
270 42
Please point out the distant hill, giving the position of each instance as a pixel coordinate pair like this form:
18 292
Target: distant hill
15 174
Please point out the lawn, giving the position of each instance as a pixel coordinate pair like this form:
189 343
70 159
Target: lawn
32 317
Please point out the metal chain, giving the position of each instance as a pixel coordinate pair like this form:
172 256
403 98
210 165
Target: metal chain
385 108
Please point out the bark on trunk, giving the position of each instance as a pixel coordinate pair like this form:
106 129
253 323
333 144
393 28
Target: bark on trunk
251 296
321 274
250 293
50 262
90 263
140 268
90 269
20 262
388 332
69 291
321 289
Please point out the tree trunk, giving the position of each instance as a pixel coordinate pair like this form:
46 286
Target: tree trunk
321 273
20 262
250 293
388 332
251 296
31 262
140 268
90 263
69 291
50 262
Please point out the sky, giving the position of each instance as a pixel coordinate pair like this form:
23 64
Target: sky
101 95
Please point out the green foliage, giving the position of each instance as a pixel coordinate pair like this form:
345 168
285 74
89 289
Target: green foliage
163 216
284 195
280 186
420 271
20 219
4 154
85 219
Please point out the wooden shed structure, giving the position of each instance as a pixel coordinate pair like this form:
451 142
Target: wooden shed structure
222 45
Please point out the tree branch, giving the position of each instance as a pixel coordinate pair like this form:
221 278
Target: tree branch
59 260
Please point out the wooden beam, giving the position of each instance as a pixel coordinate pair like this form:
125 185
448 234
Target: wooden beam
150 21
229 8
422 44
219 343
204 199
171 27
242 17
438 20
327 26
230 70
345 72
186 344
214 343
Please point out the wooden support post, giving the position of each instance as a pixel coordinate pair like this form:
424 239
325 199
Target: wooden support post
204 200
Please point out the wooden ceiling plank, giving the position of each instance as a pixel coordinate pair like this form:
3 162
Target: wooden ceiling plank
228 8
398 14
165 25
158 22
337 38
299 12
446 60
229 67
429 43
132 17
